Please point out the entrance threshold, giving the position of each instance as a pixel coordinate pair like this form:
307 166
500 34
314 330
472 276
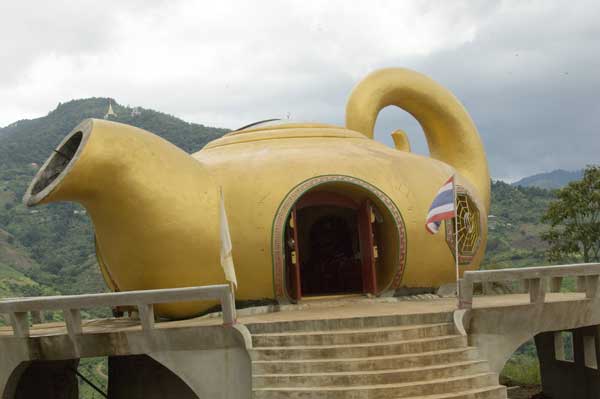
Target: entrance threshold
323 298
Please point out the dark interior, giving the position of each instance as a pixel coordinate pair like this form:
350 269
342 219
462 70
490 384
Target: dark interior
331 245
331 256
59 160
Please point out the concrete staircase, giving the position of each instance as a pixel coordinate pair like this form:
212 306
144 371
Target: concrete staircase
401 356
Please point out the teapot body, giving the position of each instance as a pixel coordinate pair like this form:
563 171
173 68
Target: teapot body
265 174
312 209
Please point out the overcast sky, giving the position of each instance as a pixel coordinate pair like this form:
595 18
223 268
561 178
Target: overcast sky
527 71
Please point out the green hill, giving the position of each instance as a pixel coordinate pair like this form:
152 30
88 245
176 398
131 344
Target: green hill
28 141
514 226
50 248
550 180
14 261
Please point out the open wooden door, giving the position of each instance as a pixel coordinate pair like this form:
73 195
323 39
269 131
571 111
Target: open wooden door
368 248
293 257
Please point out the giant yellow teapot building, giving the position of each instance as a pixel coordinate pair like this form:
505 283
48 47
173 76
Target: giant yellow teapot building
313 209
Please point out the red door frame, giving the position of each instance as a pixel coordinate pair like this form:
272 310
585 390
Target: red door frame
365 231
326 198
367 247
294 259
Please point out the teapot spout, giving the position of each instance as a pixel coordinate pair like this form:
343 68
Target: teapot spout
154 207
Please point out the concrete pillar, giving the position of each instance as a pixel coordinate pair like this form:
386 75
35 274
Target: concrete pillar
13 362
537 290
565 379
10 374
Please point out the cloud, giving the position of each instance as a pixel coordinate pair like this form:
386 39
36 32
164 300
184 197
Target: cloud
525 70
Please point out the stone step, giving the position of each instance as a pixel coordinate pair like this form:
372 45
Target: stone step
491 392
382 391
359 350
350 323
386 362
340 337
347 379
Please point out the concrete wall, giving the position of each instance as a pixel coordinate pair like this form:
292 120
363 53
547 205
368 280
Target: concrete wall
140 376
214 374
212 361
499 331
574 378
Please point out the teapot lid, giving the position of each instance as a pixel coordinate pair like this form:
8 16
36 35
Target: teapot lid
287 130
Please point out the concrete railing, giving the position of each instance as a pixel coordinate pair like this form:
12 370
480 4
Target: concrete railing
18 309
535 279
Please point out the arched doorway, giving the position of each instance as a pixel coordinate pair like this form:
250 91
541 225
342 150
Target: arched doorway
332 246
342 236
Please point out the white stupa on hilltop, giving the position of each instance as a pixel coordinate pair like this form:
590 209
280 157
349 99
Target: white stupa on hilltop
110 111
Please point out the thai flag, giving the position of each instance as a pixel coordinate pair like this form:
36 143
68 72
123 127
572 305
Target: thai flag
442 207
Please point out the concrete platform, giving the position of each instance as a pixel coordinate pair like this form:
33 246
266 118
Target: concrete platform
281 351
311 310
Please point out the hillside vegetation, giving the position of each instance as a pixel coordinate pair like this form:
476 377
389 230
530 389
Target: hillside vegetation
515 226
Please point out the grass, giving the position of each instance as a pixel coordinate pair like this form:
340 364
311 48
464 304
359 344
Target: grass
14 283
521 369
94 369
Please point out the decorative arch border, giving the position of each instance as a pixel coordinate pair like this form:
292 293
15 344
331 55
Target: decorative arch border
283 212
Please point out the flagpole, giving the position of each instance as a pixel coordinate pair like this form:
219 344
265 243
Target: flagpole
456 238
226 255
232 288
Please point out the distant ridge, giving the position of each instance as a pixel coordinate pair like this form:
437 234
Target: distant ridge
32 140
550 180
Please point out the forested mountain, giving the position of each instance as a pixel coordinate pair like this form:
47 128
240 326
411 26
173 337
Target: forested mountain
32 140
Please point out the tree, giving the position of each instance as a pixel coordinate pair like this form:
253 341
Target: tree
574 219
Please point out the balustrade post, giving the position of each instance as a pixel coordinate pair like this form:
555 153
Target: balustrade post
465 298
591 286
73 321
228 307
537 290
146 313
20 324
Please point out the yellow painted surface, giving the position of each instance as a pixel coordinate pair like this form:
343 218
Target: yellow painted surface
155 208
401 141
149 202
